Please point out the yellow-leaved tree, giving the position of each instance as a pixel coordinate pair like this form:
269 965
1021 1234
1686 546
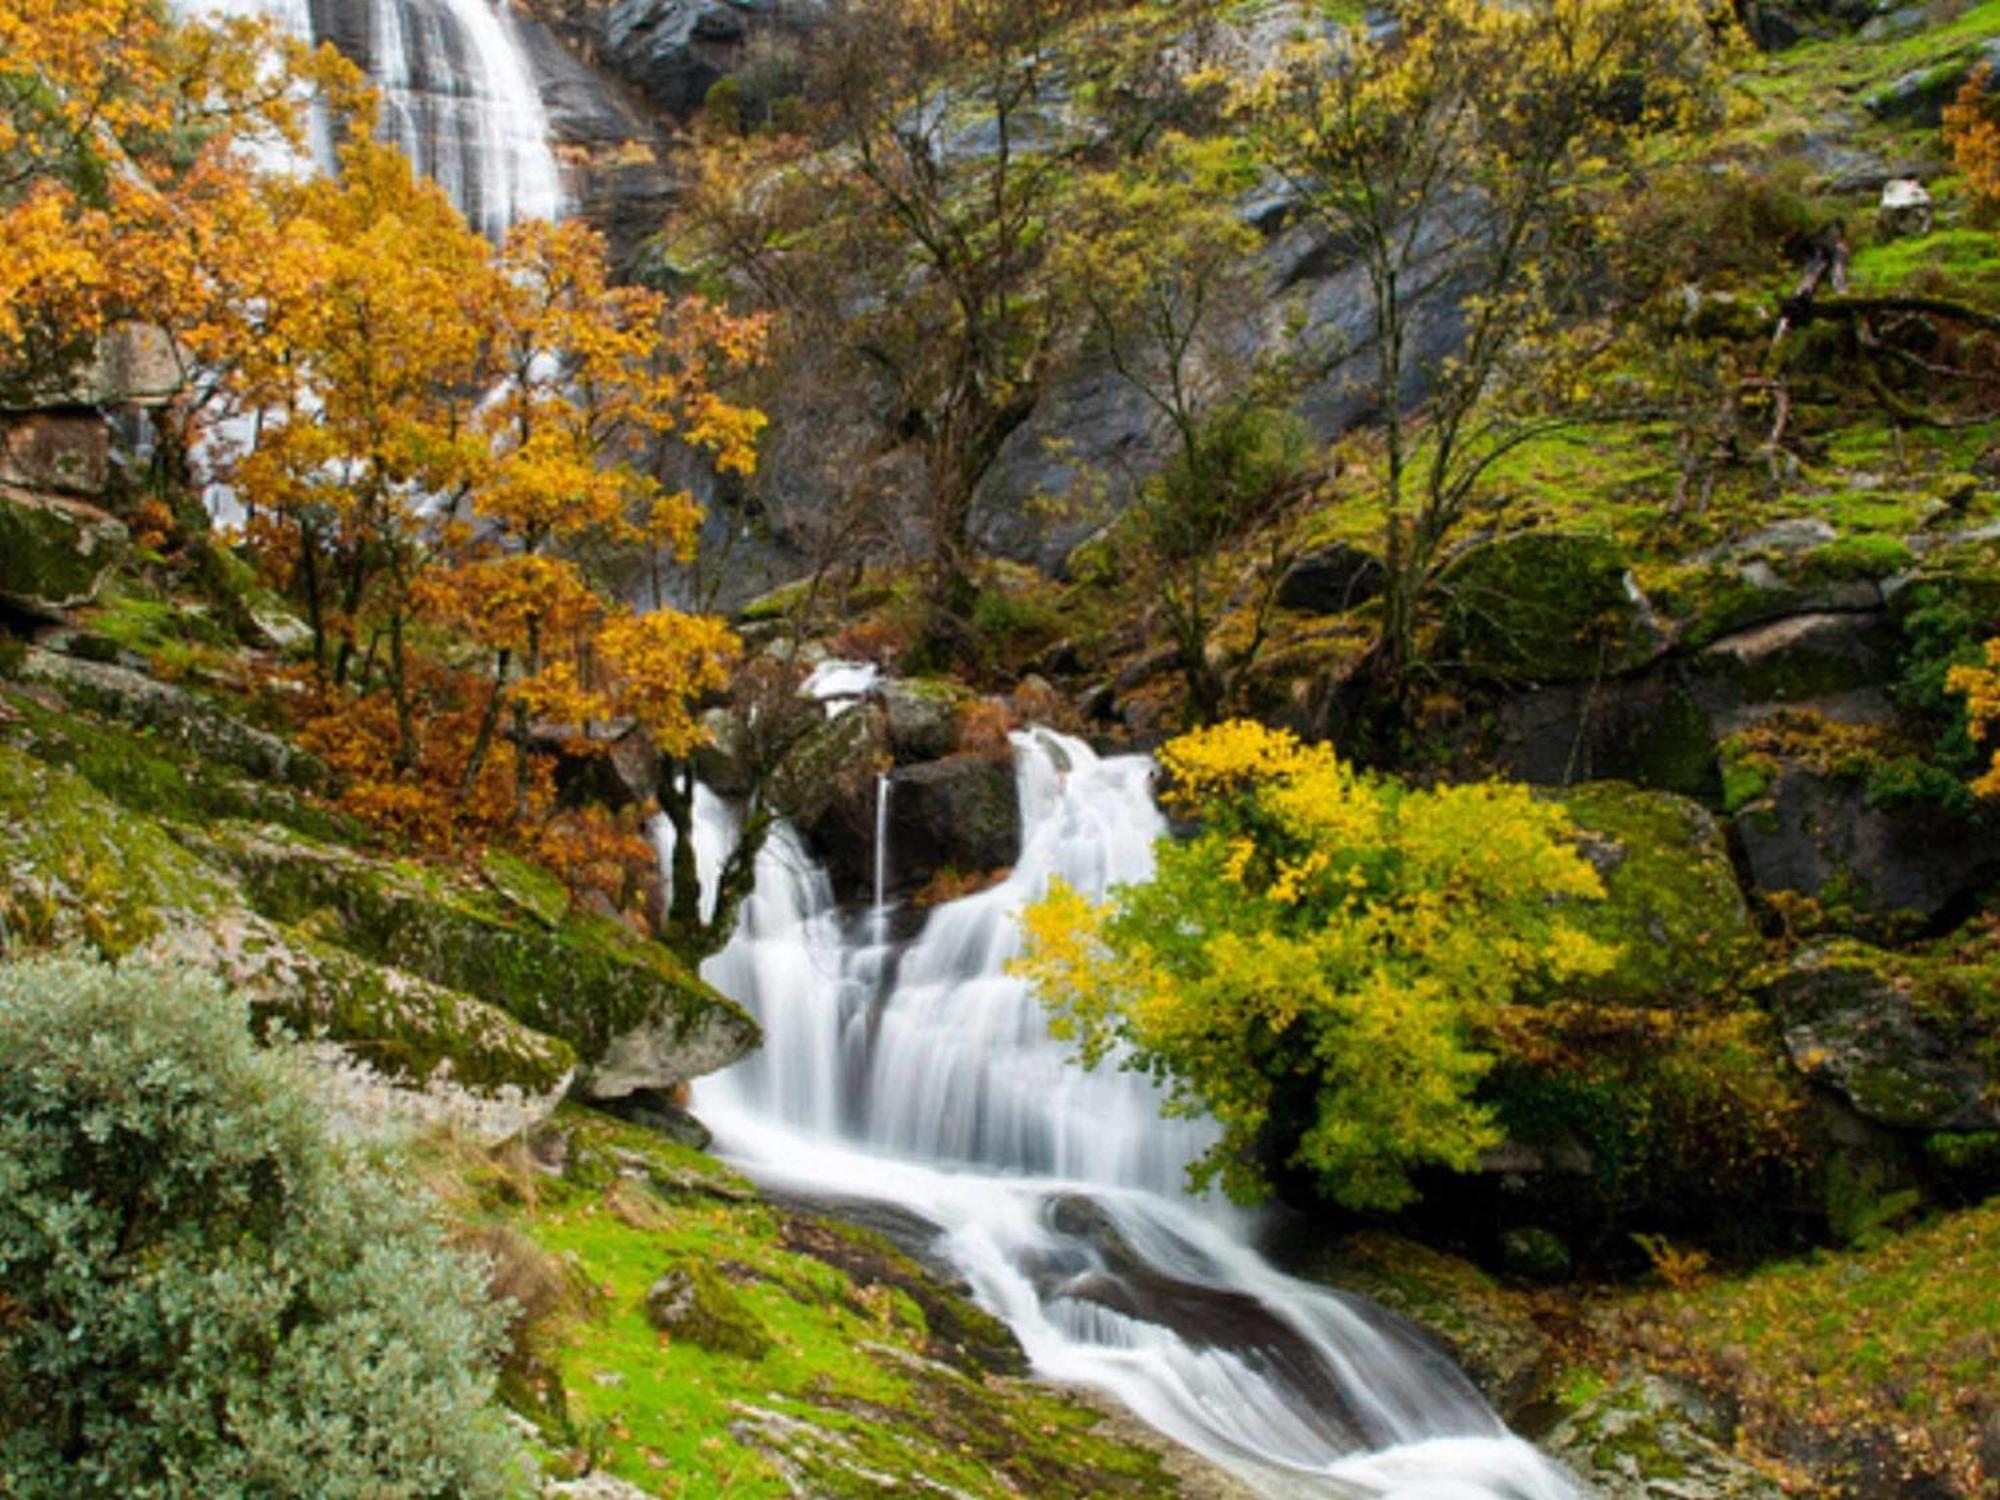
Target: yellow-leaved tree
1468 154
1981 686
1314 968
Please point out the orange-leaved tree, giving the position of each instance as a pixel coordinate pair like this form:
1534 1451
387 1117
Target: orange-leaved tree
1972 129
123 130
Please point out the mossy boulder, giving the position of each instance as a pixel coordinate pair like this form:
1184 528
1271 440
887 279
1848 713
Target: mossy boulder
174 714
636 1016
1838 663
922 716
55 554
1672 906
1812 831
692 1302
1644 1438
1546 606
1910 1042
826 785
75 867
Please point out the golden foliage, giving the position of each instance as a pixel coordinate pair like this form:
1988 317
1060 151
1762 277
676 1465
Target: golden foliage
1326 929
1972 130
1981 687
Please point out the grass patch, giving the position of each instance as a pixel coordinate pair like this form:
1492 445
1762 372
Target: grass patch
1888 1352
872 1377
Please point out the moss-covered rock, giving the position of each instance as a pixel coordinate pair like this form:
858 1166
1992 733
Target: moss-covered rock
691 1302
922 716
54 554
151 774
1672 905
1909 1041
1647 1438
1548 607
636 1017
77 867
174 714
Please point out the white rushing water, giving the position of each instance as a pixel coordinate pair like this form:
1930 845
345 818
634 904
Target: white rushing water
458 95
920 1074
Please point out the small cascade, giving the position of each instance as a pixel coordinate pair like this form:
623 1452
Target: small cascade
881 846
919 1072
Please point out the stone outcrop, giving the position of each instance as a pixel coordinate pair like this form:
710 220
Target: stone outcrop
1672 906
1891 1037
392 1049
675 51
633 1015
55 553
1815 832
960 815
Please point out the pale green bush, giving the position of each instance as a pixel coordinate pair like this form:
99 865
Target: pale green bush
200 1294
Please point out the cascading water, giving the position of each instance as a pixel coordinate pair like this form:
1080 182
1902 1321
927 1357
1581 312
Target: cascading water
921 1074
458 95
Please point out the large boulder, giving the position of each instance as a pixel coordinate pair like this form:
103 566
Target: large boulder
1646 728
391 1049
961 814
55 452
1644 1437
54 553
1813 832
1672 906
634 1015
1545 606
923 716
1907 1042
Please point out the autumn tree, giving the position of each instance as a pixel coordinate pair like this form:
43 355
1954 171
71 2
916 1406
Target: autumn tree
1315 967
1980 685
123 132
1462 154
912 245
359 385
1162 265
1972 130
589 379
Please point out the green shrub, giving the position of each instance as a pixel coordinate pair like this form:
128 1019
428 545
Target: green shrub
201 1295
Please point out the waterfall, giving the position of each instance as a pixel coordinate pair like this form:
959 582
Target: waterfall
458 95
920 1073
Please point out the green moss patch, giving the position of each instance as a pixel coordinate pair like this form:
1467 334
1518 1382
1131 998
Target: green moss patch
849 1387
587 979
